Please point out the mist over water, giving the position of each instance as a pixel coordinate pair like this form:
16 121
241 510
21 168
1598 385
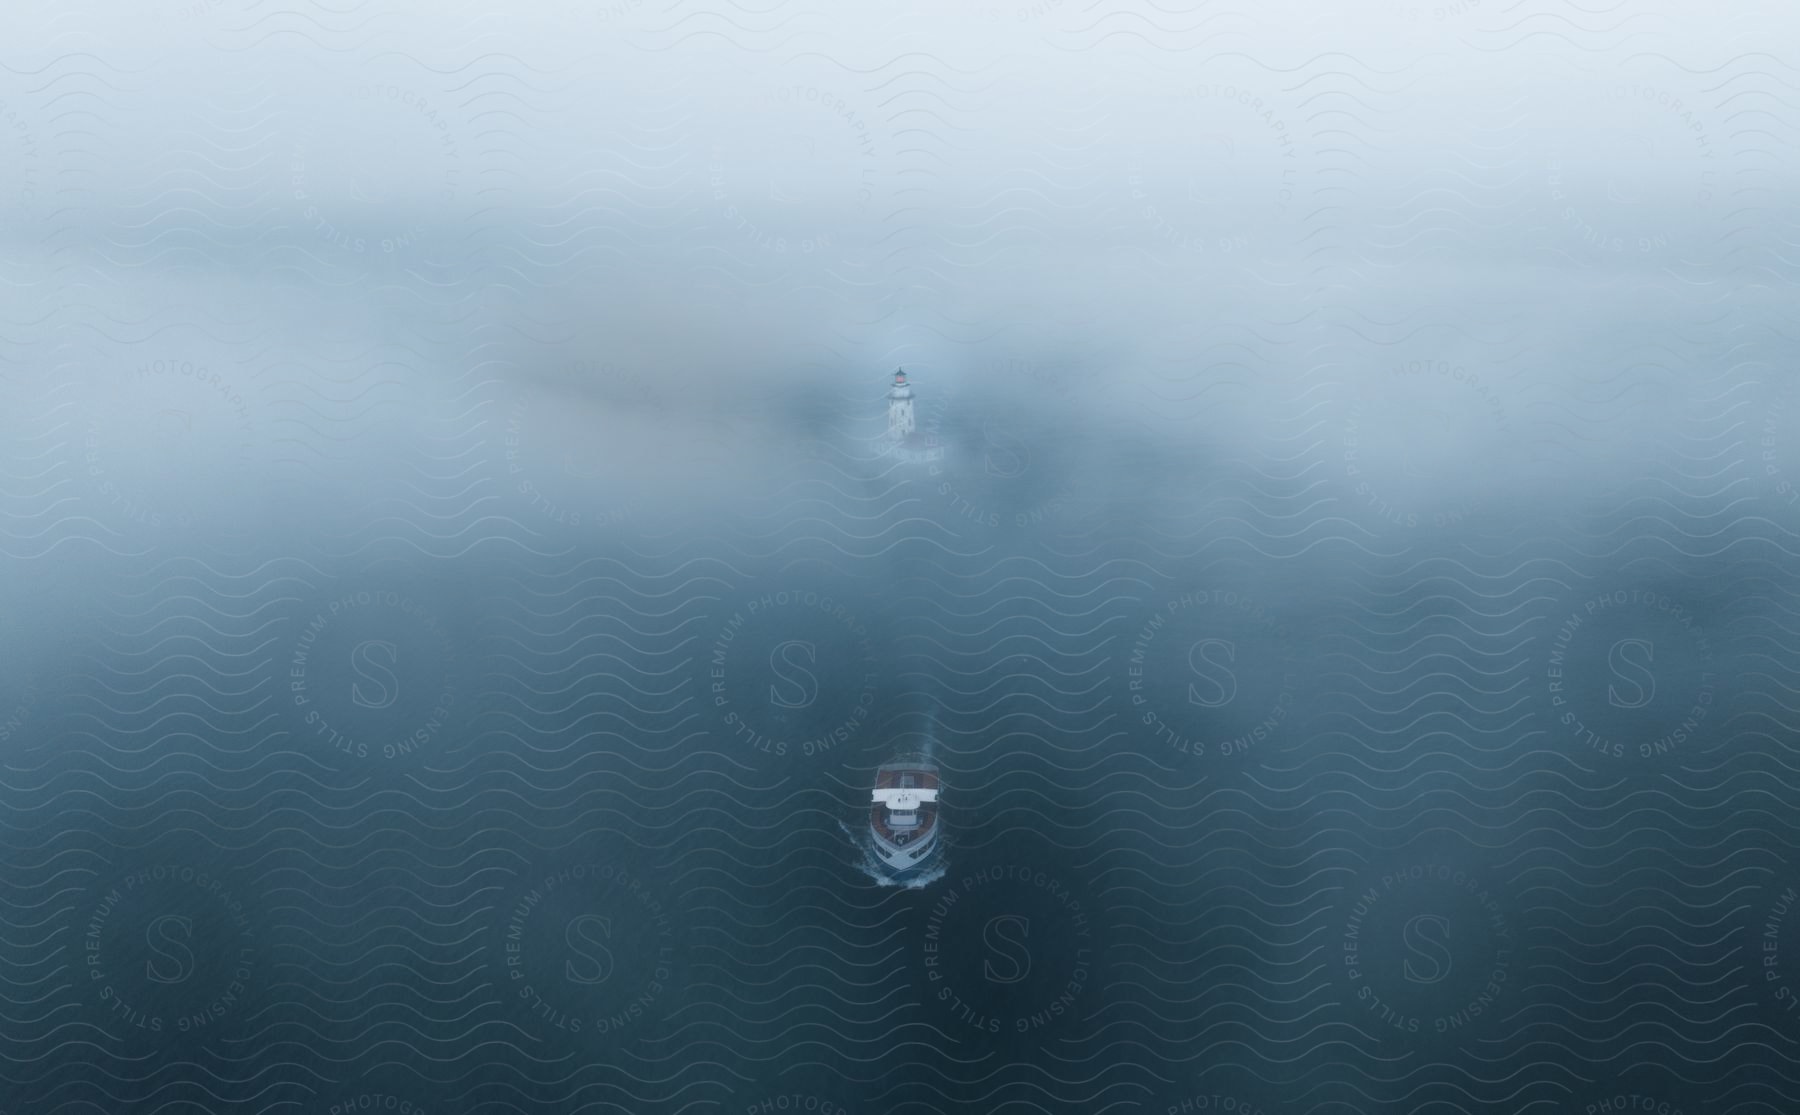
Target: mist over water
462 588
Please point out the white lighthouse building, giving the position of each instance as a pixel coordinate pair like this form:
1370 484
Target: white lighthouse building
904 439
900 408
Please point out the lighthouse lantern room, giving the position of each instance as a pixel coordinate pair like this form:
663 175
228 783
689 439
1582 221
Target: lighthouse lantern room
900 408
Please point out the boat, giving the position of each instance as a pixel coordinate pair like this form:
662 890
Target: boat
903 819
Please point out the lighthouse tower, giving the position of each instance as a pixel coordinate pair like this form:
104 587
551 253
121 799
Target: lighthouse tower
900 408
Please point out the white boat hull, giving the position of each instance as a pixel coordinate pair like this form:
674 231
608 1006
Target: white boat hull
905 857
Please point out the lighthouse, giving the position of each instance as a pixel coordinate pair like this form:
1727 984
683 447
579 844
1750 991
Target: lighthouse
900 408
904 439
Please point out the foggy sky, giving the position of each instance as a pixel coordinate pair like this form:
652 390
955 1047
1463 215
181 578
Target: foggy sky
1175 225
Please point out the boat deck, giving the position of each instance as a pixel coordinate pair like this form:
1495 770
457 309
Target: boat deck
902 777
